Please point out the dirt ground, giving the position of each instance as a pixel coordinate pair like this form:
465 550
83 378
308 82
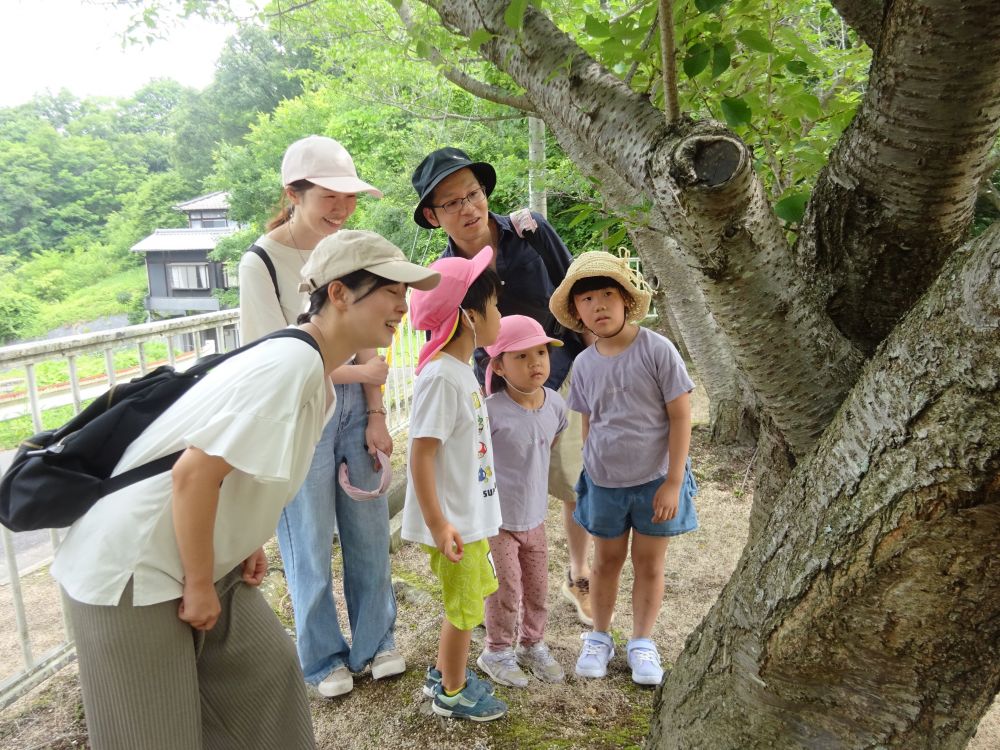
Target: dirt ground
598 714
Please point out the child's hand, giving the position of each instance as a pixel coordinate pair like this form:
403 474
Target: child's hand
665 502
449 542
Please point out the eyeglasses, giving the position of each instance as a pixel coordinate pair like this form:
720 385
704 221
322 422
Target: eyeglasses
476 197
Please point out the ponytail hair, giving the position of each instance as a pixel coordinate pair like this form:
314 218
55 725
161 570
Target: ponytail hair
355 281
286 209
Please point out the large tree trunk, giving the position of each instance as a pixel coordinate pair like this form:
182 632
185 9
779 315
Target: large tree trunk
869 615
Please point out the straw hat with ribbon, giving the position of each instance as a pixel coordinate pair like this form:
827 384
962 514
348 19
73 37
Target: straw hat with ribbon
600 263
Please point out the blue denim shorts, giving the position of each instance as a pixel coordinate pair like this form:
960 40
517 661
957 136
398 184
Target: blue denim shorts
608 512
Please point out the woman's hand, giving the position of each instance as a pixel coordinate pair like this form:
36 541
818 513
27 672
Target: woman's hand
377 435
255 568
199 606
374 371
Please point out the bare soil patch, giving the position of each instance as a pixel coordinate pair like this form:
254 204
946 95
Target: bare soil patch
598 714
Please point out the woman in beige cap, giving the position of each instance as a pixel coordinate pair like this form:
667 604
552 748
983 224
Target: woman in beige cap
320 194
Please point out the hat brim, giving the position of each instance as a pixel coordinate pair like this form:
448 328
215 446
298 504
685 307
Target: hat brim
441 336
588 265
350 185
415 276
483 171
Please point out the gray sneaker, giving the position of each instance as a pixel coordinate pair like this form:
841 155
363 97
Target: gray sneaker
502 667
537 658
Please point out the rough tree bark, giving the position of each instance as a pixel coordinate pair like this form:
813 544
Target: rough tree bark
869 615
865 609
898 193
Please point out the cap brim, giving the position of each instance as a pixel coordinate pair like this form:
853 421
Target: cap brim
416 276
350 185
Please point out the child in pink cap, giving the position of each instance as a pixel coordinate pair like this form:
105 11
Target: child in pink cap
526 419
452 506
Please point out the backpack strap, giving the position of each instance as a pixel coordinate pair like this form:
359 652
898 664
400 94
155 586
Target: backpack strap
268 264
165 463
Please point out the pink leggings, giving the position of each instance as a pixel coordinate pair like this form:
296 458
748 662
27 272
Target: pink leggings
521 559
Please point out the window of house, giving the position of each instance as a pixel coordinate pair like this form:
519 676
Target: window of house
230 280
188 275
208 219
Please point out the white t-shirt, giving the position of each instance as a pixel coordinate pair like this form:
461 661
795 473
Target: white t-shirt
260 311
449 405
263 412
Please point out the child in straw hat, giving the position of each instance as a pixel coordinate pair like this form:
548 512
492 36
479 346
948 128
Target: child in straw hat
632 389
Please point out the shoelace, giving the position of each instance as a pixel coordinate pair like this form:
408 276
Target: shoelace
540 653
645 654
594 648
506 659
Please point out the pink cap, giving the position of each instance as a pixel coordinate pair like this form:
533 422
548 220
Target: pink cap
517 332
383 486
323 162
436 310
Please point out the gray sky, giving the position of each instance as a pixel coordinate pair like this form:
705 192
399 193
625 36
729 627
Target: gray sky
53 44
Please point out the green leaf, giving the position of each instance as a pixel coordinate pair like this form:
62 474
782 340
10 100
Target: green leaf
736 112
478 38
584 213
755 40
514 15
423 49
603 224
596 28
696 59
720 59
792 207
798 67
809 104
707 6
615 239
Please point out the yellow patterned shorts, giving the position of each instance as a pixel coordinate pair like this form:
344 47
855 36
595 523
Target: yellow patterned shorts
465 584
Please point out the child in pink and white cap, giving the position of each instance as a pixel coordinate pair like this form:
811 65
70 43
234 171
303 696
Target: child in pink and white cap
526 420
452 507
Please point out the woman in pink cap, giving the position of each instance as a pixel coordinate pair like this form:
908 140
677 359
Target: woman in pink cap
526 419
320 194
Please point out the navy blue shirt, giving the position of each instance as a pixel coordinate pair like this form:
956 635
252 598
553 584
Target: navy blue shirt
526 284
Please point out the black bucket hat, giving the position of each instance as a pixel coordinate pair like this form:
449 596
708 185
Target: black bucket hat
439 164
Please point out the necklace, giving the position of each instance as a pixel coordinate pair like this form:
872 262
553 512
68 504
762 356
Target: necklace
295 243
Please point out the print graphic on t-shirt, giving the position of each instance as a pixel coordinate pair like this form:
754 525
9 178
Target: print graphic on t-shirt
482 449
476 401
485 473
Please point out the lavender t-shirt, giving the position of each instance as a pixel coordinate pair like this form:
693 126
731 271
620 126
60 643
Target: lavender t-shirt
625 397
522 446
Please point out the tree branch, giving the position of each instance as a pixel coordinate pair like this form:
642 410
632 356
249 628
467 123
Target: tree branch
864 16
898 193
668 61
474 86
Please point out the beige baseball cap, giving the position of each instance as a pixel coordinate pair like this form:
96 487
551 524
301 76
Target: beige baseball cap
323 162
351 250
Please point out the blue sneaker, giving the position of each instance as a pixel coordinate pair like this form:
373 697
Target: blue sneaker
645 662
433 679
598 650
472 703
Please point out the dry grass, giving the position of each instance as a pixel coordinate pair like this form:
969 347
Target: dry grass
611 713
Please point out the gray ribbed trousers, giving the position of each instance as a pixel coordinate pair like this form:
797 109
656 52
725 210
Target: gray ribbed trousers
151 682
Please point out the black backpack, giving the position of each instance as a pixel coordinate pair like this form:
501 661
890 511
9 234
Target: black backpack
57 475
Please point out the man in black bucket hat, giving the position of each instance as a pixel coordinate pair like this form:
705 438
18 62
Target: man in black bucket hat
531 260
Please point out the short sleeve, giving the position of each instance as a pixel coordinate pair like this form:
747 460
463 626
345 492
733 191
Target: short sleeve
672 375
435 406
260 311
576 399
559 409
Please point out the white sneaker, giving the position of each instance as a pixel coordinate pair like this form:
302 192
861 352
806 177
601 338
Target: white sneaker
537 658
387 664
598 650
502 667
339 682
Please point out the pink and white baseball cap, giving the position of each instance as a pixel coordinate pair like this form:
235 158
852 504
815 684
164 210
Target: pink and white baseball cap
517 332
324 162
436 310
